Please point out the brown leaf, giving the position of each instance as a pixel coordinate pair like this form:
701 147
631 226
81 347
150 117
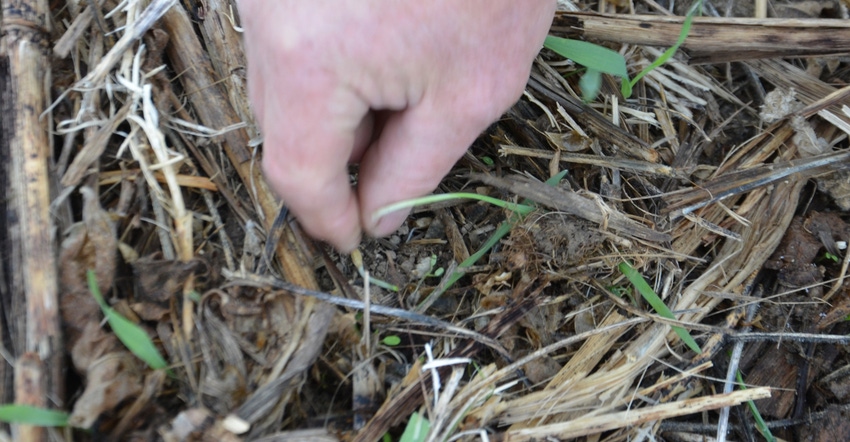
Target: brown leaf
161 279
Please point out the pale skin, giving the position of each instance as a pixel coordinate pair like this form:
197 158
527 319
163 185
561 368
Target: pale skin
400 87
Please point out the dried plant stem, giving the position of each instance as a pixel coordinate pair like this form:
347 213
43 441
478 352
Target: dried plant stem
715 39
598 424
29 386
24 28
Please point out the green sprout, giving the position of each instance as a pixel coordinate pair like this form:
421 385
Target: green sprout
131 335
30 415
599 60
761 425
657 304
391 340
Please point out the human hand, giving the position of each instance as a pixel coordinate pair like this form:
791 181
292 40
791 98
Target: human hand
401 87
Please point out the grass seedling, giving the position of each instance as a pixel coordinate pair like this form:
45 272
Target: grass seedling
596 59
417 429
357 260
500 232
131 335
430 199
686 29
657 304
30 415
761 426
600 60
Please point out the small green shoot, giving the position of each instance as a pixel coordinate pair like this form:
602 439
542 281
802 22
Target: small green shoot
761 426
487 161
131 335
417 429
600 60
500 232
627 86
623 292
522 209
657 304
391 341
597 59
830 257
195 297
357 260
30 415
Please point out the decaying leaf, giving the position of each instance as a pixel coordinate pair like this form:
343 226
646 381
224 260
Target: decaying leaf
111 373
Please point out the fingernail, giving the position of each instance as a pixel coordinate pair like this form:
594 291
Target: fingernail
347 246
389 223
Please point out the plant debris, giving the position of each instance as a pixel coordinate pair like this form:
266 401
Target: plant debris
724 181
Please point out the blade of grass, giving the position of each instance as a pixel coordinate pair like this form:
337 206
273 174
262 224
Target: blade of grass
597 59
500 232
589 55
417 429
686 29
761 425
357 259
131 335
29 415
657 304
406 204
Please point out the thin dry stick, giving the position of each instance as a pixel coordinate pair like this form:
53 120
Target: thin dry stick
731 372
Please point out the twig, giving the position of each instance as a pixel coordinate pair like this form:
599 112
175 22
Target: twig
731 372
798 337
268 281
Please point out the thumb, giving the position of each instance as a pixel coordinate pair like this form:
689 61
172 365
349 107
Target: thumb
416 149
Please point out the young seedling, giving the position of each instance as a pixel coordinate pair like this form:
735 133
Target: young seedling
430 199
357 260
761 425
417 429
686 29
600 60
657 304
29 415
596 59
500 232
131 335
391 340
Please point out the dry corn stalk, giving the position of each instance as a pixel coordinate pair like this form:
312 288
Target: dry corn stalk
25 74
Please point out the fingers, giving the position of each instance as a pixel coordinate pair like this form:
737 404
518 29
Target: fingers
416 149
306 153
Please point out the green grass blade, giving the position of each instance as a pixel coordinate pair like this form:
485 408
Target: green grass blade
500 232
406 204
417 429
657 304
589 55
686 29
761 425
30 415
131 335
